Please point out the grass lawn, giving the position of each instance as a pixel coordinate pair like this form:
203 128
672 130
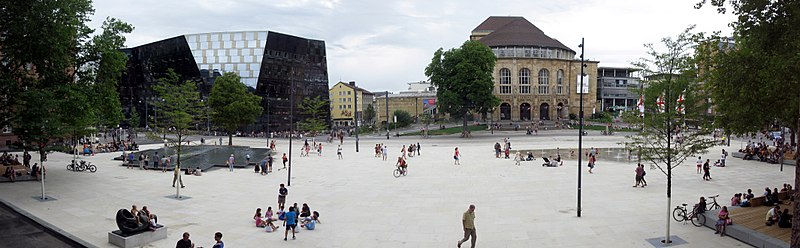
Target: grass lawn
450 130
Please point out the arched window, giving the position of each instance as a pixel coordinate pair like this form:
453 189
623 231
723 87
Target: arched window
505 81
544 81
560 82
524 81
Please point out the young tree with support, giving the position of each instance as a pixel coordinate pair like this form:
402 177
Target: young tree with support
179 108
316 108
664 140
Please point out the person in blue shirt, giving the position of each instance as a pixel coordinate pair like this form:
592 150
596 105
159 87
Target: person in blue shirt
290 221
218 239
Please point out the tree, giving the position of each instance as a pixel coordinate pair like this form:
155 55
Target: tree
403 118
181 103
133 121
463 77
232 106
759 68
664 140
316 108
369 115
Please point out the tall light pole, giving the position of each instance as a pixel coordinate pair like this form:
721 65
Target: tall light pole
580 129
387 114
355 117
291 127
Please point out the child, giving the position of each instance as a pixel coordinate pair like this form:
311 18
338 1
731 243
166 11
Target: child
517 158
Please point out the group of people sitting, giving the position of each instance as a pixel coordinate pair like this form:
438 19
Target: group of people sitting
304 216
771 196
145 215
9 159
783 219
90 149
765 153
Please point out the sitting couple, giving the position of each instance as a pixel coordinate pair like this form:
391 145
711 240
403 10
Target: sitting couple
266 221
145 215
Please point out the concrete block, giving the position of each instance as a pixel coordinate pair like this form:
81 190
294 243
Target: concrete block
137 240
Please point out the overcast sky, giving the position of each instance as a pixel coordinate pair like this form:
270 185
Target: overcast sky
385 44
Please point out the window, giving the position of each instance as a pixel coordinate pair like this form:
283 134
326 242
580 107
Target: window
228 44
250 35
505 81
544 81
215 44
349 106
349 93
560 82
524 81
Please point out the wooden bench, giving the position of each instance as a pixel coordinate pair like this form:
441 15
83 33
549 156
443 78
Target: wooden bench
755 218
758 201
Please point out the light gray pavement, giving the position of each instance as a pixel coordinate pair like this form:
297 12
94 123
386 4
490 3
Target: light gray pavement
363 205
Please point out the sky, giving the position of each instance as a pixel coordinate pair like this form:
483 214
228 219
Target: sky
385 44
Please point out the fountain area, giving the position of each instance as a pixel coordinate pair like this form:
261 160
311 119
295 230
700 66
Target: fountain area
203 156
617 154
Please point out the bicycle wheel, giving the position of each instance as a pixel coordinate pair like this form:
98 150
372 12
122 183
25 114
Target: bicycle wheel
92 168
405 172
678 214
397 173
698 220
69 167
80 167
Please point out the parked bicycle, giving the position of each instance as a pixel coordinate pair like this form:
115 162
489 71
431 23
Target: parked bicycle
680 214
714 204
82 166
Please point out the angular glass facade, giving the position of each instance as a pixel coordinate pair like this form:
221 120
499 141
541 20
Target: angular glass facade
270 62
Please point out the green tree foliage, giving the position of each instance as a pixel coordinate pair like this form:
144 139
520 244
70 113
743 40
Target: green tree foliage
403 118
664 141
181 102
316 108
463 77
233 107
754 83
134 120
369 115
105 64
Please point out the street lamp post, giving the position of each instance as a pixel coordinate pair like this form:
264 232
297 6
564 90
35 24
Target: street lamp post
387 115
355 117
291 128
268 131
580 129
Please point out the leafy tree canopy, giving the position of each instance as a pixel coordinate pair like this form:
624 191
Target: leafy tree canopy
316 108
233 107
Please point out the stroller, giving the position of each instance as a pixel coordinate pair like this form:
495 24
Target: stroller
549 163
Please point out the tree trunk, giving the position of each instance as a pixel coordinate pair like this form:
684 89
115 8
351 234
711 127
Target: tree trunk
796 212
42 153
230 139
178 167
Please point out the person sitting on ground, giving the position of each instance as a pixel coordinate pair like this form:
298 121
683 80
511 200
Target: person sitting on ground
35 171
257 218
736 199
530 157
700 207
281 214
785 220
269 215
315 216
717 163
309 223
773 214
722 221
306 211
773 197
198 171
768 197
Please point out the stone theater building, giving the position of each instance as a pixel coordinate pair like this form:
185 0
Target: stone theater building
536 77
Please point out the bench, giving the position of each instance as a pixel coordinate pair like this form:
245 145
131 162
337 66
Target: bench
758 201
749 227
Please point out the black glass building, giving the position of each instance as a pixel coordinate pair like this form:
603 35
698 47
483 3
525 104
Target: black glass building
268 62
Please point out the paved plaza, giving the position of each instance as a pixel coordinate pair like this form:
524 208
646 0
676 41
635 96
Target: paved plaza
362 205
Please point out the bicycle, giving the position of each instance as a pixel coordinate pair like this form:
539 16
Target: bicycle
398 172
82 166
714 205
680 215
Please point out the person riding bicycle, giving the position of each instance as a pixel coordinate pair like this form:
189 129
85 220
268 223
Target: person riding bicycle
401 164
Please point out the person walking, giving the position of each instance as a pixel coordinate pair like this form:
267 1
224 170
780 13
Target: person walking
247 159
456 156
282 192
591 162
417 148
156 161
176 176
638 171
339 151
167 161
403 150
230 162
723 157
699 164
269 163
290 221
644 173
706 170
284 160
385 152
468 223
141 160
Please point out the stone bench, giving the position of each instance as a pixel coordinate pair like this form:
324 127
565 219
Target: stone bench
138 239
743 233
